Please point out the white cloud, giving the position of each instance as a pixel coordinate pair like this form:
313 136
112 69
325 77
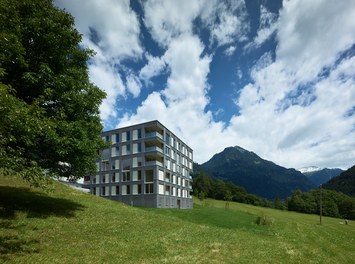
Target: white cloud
154 67
226 20
112 31
116 25
287 113
311 127
133 85
105 75
312 33
230 50
169 19
267 26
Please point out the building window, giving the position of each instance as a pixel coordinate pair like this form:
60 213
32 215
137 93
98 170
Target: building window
117 138
107 138
128 189
167 138
139 188
113 178
128 135
167 151
117 190
149 175
105 165
149 188
103 190
126 164
139 133
167 176
139 175
126 176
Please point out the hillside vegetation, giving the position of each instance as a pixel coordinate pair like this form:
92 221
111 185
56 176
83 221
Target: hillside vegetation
344 183
68 226
244 168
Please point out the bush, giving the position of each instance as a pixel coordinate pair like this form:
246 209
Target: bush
264 220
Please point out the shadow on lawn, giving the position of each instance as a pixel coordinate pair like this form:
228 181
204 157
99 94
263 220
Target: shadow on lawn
34 204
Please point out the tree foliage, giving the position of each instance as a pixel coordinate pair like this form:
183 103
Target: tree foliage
203 185
49 110
334 203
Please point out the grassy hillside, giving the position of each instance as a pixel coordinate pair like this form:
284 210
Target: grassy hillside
68 226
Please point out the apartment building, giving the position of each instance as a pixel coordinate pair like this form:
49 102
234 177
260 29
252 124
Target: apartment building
145 165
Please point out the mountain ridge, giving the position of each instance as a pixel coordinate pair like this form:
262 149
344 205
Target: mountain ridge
258 176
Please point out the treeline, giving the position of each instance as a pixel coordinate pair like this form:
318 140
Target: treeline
334 204
206 187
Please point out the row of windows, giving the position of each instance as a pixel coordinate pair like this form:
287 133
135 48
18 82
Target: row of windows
127 164
122 177
124 189
136 189
125 136
137 134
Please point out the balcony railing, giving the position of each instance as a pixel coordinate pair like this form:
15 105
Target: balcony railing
153 148
153 163
153 134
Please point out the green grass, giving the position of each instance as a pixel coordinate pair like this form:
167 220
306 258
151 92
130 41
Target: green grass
68 226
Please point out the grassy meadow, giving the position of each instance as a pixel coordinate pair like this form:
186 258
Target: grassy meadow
68 226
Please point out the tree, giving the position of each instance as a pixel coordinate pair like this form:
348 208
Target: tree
49 110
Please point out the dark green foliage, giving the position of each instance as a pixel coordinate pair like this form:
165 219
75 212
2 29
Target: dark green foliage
217 189
344 183
260 177
334 203
322 176
49 110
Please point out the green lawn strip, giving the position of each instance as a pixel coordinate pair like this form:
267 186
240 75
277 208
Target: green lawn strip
69 226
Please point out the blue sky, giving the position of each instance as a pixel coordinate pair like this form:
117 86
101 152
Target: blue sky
274 77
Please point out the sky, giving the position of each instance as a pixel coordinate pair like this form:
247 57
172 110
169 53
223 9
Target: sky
273 77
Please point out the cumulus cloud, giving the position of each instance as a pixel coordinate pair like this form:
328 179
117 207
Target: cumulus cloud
226 20
293 115
112 31
133 85
297 109
154 67
267 26
312 33
168 19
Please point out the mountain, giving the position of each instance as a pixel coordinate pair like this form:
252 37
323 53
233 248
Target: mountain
344 183
258 176
321 176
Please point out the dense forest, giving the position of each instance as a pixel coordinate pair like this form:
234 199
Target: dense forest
334 204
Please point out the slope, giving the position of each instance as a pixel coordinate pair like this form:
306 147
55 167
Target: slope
322 176
260 177
68 226
344 183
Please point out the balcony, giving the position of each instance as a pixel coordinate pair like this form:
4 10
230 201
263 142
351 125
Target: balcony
153 163
153 134
153 148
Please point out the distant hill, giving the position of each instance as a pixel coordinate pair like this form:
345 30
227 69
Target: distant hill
322 176
344 183
258 176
